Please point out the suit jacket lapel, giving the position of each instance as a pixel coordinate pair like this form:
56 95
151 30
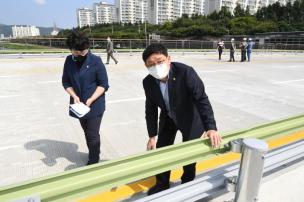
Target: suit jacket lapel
171 85
156 89
86 65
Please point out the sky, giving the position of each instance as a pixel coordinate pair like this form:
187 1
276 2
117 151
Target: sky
43 12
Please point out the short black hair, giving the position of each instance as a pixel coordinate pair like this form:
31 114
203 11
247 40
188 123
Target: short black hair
154 48
77 41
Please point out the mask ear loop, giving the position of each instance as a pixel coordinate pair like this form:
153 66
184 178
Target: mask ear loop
86 52
73 58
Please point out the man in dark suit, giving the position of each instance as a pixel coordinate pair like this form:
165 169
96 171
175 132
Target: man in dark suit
110 51
85 80
178 91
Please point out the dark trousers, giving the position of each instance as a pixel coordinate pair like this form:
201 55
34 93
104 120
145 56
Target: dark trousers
91 131
243 55
249 55
166 137
220 53
110 54
231 56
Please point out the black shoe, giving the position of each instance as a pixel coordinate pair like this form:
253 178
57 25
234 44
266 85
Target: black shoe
116 62
157 188
185 181
107 63
91 162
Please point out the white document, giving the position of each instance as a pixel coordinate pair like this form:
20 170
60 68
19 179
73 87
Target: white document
79 109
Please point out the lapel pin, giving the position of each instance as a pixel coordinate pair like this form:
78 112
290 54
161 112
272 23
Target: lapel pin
174 78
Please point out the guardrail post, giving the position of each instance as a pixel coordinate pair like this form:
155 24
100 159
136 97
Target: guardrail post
130 45
20 55
251 168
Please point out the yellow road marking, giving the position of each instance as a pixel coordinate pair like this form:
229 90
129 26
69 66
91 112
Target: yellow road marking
126 191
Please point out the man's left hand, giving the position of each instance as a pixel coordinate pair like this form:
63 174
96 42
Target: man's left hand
89 102
214 137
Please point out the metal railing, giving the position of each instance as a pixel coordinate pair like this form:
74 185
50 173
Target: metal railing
251 168
221 182
133 44
82 182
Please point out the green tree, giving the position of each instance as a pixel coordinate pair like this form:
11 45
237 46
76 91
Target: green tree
239 11
261 14
224 13
275 17
247 11
242 25
265 26
213 16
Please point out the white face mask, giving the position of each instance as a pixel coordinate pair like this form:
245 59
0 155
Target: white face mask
159 71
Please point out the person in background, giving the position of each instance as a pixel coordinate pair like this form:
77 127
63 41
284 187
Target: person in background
249 49
232 50
85 79
243 46
220 48
110 51
180 94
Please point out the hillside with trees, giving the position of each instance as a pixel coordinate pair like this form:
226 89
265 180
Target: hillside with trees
274 18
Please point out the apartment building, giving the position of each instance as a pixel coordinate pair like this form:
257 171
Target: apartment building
85 17
160 11
25 31
104 13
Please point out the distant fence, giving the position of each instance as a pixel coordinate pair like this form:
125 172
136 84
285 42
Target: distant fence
171 44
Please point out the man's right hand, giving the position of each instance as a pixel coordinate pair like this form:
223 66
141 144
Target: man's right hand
151 143
76 99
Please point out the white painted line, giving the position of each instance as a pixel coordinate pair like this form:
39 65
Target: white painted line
220 70
284 67
9 76
294 66
11 147
9 96
289 81
120 123
126 100
46 82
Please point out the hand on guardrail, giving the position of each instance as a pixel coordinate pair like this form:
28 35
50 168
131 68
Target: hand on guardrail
214 136
151 144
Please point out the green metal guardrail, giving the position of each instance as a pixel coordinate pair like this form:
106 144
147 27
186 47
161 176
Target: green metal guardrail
82 182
